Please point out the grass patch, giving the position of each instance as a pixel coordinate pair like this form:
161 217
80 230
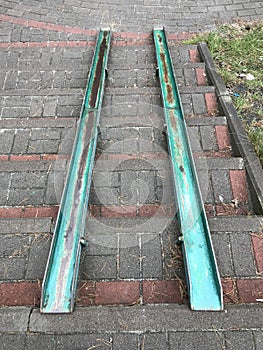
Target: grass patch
237 50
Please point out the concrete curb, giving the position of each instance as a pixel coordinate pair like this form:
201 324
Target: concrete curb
241 145
90 319
143 319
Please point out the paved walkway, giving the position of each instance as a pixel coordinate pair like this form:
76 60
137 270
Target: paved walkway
132 260
138 15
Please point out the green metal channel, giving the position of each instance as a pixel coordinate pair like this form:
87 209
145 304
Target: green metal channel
60 280
203 279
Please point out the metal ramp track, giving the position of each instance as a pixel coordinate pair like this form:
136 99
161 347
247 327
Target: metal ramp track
59 284
203 279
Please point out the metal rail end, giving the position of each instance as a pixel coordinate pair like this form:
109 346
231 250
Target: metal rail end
158 28
106 29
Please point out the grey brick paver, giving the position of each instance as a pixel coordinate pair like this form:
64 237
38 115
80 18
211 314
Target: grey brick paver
258 335
208 138
37 257
25 225
199 105
31 196
221 186
196 340
83 341
154 341
21 142
99 267
221 243
14 320
40 341
12 269
13 341
242 254
125 341
129 264
6 141
14 245
151 256
239 340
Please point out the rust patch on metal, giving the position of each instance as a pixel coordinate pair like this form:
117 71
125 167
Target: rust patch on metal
96 82
181 168
88 134
169 93
169 88
164 67
160 38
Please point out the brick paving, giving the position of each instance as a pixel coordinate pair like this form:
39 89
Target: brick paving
132 257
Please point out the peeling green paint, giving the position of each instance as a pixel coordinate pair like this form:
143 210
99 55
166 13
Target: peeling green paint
59 285
203 279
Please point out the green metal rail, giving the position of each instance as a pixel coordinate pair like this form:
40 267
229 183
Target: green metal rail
60 280
203 279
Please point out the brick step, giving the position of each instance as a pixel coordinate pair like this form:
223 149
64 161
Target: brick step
56 68
37 123
191 74
222 224
36 60
36 140
24 293
43 103
198 101
46 137
154 117
37 182
137 181
32 182
115 247
147 63
159 210
134 164
206 136
25 255
120 211
154 91
67 102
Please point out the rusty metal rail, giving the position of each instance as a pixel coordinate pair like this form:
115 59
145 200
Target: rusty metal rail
203 279
59 284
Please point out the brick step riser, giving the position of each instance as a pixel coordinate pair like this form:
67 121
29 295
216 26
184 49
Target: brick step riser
37 187
126 139
128 293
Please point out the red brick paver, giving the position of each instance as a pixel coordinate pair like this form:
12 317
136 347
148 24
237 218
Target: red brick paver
200 76
162 292
257 242
19 293
194 56
211 104
119 211
250 290
109 293
230 291
222 137
239 185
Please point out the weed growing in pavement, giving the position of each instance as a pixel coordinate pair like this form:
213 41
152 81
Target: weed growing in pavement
238 53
